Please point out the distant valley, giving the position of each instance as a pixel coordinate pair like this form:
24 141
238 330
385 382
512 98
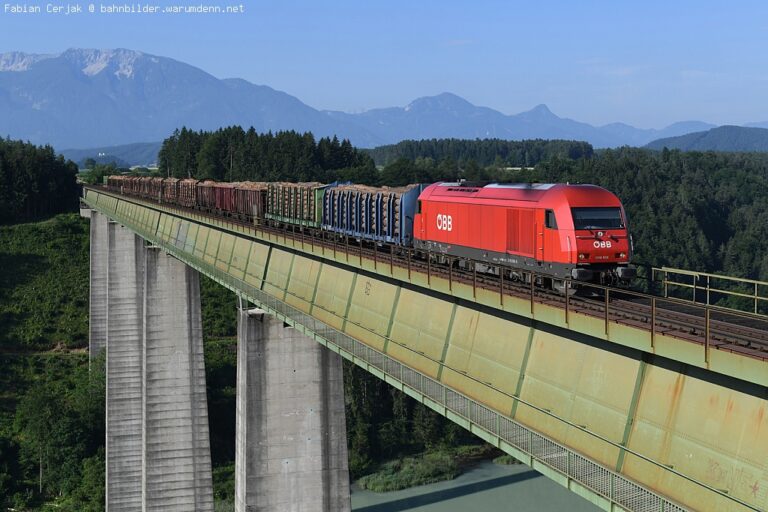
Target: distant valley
126 155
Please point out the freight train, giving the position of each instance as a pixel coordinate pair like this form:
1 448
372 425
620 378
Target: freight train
562 231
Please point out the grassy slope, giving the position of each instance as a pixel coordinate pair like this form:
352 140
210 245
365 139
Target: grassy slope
44 285
43 302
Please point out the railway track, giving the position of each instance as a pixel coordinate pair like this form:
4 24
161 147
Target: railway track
718 329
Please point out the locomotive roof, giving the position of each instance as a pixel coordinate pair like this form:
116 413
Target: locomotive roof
550 193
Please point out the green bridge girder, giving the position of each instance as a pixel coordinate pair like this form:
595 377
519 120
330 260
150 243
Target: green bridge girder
590 404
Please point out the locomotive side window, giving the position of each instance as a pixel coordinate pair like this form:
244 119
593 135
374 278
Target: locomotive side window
549 219
597 218
419 206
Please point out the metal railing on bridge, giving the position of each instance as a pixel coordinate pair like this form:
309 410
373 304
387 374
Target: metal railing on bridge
710 289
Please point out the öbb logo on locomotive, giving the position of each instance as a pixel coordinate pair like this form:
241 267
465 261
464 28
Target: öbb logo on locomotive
444 222
561 231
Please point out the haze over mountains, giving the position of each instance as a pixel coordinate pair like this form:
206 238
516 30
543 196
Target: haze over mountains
722 138
85 98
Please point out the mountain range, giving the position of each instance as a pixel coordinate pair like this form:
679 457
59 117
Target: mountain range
85 98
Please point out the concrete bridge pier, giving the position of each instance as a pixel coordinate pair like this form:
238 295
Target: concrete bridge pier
176 444
124 321
97 328
157 444
291 447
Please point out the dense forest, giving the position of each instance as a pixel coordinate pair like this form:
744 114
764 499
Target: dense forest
484 152
233 154
34 182
705 211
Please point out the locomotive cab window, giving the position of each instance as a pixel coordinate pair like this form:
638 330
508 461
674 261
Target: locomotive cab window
597 218
549 219
419 207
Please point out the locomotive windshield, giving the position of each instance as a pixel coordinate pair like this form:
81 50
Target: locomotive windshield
597 218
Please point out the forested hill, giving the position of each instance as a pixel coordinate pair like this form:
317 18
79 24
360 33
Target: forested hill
34 182
722 138
485 152
233 154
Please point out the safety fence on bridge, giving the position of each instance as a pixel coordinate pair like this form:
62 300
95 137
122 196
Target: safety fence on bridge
735 293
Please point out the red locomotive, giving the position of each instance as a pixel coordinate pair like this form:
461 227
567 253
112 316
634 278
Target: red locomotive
566 231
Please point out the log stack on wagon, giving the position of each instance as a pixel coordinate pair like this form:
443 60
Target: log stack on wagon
171 190
188 192
117 183
134 184
295 203
154 189
376 213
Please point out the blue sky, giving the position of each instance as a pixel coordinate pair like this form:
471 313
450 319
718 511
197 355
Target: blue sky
645 63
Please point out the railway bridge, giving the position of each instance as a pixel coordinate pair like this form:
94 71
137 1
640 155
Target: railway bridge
635 402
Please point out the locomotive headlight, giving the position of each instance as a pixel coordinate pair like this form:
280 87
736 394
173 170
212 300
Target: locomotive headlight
582 256
622 255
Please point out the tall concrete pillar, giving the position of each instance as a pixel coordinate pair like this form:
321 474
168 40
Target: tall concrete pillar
177 453
291 446
125 297
97 327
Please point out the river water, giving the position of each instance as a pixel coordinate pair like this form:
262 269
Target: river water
486 487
